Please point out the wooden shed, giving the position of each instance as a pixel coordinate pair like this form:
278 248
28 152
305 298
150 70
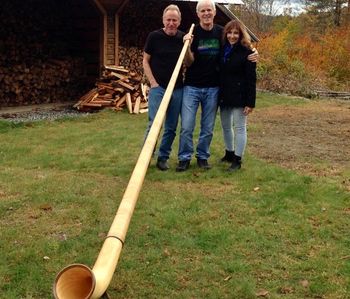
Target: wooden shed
122 20
53 50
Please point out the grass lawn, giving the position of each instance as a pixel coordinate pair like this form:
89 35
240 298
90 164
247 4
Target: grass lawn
264 231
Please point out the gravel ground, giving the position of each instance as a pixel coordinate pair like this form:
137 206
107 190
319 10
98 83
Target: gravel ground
41 114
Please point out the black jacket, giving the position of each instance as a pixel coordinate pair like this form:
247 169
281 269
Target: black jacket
237 78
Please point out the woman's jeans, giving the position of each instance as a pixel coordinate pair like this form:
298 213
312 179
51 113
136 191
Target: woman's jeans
192 98
234 128
155 97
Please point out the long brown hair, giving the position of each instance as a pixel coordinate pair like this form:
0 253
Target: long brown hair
244 37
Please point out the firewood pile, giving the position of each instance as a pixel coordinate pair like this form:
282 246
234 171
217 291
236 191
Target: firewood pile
36 65
118 88
131 58
54 80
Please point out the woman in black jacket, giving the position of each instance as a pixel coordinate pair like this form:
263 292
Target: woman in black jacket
237 91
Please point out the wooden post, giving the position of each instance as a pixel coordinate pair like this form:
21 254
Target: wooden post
116 39
104 32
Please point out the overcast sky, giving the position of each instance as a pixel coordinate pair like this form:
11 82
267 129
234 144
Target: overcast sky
295 5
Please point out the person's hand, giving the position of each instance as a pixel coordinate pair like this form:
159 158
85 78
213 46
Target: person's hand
188 37
254 57
247 110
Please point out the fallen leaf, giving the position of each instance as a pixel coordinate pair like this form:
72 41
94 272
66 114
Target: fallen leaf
256 189
227 278
33 216
62 237
166 252
262 293
304 283
45 207
286 290
102 235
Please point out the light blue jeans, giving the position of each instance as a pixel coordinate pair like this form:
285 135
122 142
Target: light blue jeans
155 97
207 98
234 129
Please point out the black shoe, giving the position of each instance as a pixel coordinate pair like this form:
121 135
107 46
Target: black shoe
203 163
229 156
236 164
162 165
183 166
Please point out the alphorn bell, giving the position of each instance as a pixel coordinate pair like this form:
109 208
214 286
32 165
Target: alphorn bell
78 281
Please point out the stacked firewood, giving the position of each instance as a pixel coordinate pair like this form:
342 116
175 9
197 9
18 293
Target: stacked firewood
131 58
118 88
43 82
36 65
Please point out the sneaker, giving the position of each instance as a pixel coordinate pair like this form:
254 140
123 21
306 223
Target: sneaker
162 165
203 163
183 166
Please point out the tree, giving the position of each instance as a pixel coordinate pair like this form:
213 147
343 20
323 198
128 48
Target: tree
258 14
332 9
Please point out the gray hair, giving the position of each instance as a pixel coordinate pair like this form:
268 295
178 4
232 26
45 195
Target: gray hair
201 2
172 7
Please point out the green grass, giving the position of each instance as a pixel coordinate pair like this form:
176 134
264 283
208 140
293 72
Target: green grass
193 235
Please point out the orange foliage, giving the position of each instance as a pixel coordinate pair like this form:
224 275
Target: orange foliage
324 59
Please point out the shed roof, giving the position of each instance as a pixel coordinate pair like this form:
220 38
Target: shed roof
237 2
222 17
119 4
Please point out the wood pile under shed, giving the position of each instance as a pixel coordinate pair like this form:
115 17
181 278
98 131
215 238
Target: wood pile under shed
118 88
131 58
43 82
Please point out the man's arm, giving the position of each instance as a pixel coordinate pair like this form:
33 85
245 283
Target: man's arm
189 57
147 70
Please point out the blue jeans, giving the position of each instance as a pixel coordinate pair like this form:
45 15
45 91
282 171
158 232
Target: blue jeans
193 97
155 97
234 129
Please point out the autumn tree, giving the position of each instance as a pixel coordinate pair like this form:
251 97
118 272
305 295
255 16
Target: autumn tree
328 9
297 59
258 14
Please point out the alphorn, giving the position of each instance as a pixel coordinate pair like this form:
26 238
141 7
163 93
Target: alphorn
78 281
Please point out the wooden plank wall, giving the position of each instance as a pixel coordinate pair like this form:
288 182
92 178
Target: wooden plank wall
111 39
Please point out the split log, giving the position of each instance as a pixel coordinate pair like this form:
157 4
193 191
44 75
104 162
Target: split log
128 86
137 105
117 88
120 102
128 102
